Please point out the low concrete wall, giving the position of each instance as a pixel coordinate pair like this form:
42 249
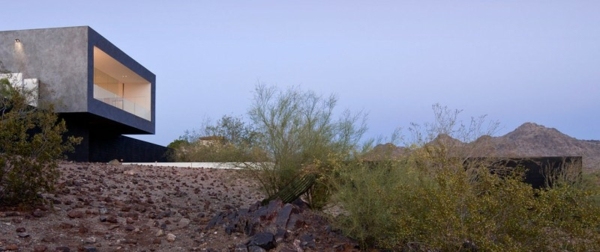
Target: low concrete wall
190 165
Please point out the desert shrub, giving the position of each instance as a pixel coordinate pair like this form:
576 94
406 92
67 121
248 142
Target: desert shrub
31 142
299 133
428 200
230 139
397 205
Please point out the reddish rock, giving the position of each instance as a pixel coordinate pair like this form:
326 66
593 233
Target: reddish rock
12 247
39 248
75 213
65 225
63 249
112 219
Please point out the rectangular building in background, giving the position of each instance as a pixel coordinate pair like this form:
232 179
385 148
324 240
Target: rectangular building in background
99 90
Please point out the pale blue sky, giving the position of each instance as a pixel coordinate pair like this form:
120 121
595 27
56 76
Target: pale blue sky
516 61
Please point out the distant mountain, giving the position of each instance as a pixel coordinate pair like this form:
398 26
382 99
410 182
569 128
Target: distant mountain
528 140
531 139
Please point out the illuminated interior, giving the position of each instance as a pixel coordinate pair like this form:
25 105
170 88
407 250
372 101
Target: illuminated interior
117 85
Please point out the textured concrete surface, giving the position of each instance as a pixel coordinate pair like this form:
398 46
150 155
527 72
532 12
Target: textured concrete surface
57 57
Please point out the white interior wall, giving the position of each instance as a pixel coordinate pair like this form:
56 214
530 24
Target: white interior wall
138 93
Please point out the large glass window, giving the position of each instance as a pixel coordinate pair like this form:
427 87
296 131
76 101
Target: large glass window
117 85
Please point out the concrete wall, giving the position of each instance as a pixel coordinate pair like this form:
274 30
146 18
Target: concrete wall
204 165
57 57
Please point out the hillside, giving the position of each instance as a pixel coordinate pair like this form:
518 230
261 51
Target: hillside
533 140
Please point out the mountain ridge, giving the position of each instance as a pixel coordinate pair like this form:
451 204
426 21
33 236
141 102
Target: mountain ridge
533 140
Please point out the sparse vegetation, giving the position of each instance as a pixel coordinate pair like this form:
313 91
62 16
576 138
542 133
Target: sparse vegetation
229 140
31 141
428 200
292 132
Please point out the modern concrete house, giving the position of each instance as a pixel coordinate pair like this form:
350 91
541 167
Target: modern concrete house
100 91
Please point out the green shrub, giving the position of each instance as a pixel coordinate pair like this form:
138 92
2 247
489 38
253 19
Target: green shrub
228 140
427 200
31 141
395 205
299 134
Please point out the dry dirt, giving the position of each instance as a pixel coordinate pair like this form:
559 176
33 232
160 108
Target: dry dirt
102 207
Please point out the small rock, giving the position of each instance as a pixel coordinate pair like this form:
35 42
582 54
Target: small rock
130 172
37 213
171 237
102 210
48 239
21 230
65 225
263 240
89 249
160 232
112 219
83 229
256 249
184 222
241 248
39 248
62 249
12 247
129 228
307 241
90 240
75 213
23 235
283 216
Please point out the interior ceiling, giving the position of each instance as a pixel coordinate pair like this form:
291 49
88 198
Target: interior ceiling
115 69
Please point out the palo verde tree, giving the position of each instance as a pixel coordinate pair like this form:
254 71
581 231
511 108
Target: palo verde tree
299 132
31 142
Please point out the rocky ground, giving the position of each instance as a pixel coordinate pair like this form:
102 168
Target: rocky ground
102 207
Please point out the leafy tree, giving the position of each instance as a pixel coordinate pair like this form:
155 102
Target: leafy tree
31 142
233 131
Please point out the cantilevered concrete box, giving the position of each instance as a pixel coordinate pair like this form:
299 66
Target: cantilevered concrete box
99 90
